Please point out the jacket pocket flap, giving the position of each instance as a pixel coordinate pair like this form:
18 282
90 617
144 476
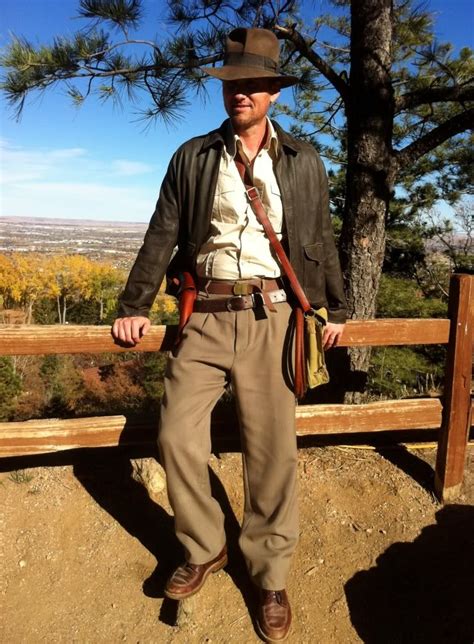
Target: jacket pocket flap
314 252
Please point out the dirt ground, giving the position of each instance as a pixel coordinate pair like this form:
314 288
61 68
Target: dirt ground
85 553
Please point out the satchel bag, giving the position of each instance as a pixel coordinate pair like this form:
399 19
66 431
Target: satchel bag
316 371
310 363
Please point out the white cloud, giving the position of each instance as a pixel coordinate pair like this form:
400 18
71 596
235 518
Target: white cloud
19 164
70 182
126 168
67 153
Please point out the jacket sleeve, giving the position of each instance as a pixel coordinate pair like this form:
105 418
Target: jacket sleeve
153 257
337 307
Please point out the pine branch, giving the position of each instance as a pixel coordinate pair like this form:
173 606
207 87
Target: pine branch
434 95
37 70
291 35
459 123
121 13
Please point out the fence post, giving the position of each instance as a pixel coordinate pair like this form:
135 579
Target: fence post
456 418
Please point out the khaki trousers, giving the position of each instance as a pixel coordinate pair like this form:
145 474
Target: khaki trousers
217 348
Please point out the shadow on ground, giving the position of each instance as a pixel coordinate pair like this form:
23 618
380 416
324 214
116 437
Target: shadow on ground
108 480
420 591
414 466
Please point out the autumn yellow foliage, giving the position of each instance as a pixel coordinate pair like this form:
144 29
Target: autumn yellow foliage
27 277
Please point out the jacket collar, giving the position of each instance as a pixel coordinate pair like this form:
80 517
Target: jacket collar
223 135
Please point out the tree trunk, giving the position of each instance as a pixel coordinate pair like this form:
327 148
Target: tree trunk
370 166
29 316
62 308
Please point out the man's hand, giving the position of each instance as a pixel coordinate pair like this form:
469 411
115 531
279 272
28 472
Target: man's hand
130 330
331 335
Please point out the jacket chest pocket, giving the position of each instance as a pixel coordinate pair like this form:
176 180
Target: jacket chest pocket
313 268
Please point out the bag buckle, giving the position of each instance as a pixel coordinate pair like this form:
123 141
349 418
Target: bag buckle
252 193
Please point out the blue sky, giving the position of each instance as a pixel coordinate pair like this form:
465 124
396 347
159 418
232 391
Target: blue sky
97 162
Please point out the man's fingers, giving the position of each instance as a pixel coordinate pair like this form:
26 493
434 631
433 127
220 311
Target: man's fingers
331 335
332 339
146 326
131 329
119 330
328 340
139 328
135 330
125 331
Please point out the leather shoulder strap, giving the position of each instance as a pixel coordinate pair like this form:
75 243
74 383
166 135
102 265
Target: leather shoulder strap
262 217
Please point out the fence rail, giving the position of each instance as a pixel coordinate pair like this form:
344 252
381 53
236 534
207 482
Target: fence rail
54 435
452 414
56 339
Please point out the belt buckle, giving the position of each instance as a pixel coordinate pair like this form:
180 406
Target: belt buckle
229 303
242 288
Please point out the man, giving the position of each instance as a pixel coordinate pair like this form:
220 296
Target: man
239 330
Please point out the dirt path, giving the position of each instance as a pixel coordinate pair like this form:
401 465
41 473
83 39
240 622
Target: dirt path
85 553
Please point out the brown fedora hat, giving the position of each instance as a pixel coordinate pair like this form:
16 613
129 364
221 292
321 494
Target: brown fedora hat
251 53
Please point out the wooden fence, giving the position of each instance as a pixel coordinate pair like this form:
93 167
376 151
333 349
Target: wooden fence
451 414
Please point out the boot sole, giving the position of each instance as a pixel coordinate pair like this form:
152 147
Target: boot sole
214 568
265 637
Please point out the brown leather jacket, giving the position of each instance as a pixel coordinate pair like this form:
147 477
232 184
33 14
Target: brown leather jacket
183 213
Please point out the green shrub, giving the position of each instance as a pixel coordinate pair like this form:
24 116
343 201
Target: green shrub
398 372
10 387
402 298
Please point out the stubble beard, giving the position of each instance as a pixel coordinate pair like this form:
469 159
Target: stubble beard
245 120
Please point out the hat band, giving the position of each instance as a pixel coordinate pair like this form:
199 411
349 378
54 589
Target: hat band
252 60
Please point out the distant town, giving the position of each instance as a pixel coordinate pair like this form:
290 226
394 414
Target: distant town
112 241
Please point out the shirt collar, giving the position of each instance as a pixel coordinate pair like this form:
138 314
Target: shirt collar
230 139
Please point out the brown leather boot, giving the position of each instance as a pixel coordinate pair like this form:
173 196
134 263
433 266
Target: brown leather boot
188 578
274 615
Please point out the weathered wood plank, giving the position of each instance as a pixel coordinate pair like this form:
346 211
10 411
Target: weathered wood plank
395 332
421 413
457 408
55 339
52 435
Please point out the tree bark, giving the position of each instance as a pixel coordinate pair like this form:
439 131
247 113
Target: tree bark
370 108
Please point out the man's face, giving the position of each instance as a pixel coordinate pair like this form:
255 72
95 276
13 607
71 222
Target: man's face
247 101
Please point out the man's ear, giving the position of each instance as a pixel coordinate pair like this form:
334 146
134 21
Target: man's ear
274 97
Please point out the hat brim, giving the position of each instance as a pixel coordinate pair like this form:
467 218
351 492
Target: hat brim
241 72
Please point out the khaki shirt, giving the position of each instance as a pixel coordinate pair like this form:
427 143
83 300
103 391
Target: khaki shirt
237 247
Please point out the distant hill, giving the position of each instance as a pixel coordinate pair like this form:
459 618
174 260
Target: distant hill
94 223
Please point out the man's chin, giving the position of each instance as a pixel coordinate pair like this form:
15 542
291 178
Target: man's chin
241 120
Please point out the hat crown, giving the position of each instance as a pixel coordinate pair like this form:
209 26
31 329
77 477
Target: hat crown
251 53
259 42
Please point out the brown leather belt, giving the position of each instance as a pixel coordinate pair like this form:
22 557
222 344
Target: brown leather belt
241 302
238 287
